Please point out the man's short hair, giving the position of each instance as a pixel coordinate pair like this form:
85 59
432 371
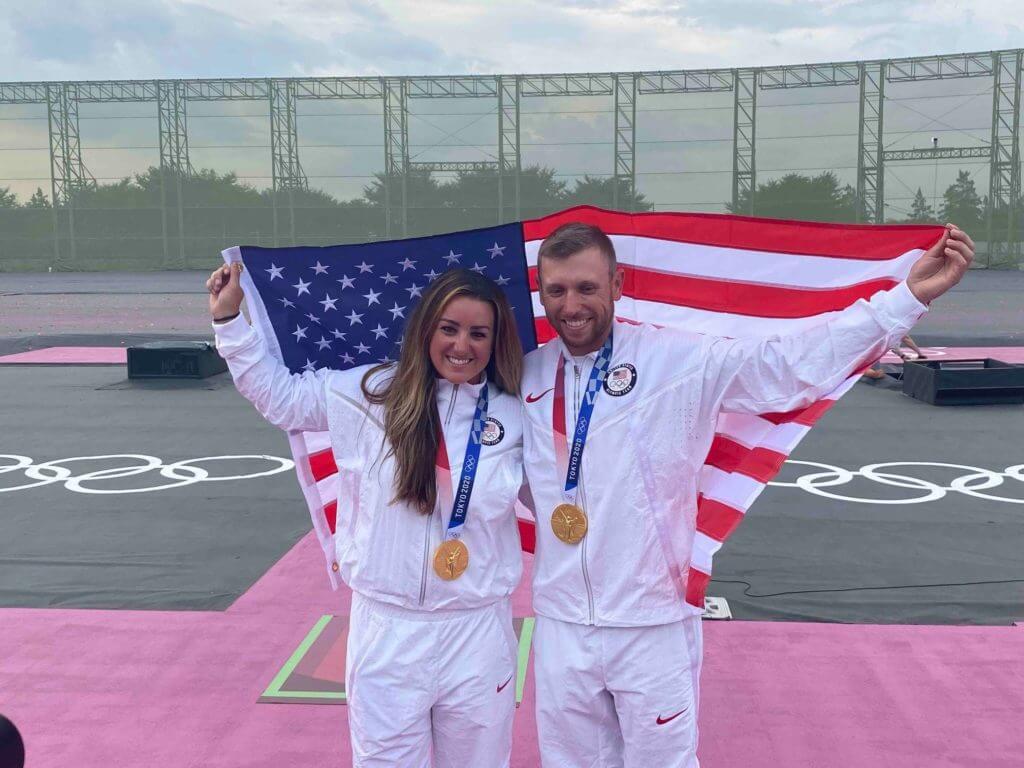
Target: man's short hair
574 237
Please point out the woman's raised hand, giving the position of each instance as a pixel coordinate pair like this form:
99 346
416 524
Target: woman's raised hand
225 287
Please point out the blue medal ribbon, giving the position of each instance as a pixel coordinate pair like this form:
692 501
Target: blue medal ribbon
464 490
597 376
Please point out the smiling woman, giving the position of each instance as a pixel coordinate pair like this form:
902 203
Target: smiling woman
400 434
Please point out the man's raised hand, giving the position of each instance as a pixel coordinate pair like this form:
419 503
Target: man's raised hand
941 266
225 287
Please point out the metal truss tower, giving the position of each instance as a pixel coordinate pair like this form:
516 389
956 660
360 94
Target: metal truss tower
68 174
175 167
396 157
1003 213
624 180
285 170
870 163
509 158
744 131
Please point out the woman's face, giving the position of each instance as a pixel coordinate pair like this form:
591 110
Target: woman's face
462 342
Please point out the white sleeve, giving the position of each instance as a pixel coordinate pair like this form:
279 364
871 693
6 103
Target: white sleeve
783 373
286 400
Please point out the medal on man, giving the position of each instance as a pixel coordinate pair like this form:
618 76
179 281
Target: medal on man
569 523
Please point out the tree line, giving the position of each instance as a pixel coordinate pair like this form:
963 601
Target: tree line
137 221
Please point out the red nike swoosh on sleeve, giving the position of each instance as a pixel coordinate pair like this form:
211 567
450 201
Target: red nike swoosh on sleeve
532 398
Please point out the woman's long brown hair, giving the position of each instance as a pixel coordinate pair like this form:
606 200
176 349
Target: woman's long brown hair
412 426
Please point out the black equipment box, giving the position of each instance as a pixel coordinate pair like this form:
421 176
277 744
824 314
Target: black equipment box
174 360
964 382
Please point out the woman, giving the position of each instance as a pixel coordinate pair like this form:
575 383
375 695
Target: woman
431 649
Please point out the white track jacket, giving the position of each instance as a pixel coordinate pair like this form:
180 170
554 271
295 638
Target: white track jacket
652 427
382 550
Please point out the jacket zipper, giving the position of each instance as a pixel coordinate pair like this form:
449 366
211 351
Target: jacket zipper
430 517
581 498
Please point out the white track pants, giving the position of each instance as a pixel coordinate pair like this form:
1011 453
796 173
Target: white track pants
614 697
430 680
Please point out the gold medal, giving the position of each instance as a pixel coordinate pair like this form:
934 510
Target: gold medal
569 522
451 559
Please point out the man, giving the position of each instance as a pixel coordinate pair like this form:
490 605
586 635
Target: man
617 649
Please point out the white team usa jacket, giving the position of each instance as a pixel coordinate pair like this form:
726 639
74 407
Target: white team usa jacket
382 550
651 429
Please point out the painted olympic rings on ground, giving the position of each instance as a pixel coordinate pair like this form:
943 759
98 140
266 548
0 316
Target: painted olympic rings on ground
180 473
972 481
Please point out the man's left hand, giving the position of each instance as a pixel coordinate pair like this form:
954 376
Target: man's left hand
941 266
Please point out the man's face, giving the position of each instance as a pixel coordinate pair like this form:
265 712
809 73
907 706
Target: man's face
579 295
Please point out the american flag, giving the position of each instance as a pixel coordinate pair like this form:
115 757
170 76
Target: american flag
343 306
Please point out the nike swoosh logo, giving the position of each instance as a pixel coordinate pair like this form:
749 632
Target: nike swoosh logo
662 721
532 398
502 686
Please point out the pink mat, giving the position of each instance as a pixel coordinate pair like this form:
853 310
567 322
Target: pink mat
126 688
69 356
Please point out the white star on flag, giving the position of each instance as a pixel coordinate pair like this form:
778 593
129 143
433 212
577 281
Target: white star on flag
309 366
287 303
502 280
496 250
415 290
397 311
362 349
275 271
432 275
323 343
380 331
371 298
389 278
407 264
338 334
453 257
302 287
347 282
364 267
347 359
319 269
299 332
354 318
328 302
314 318
477 268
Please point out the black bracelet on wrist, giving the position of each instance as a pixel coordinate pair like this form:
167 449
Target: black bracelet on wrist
226 319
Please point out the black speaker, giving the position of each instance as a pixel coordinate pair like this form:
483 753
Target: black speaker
963 382
174 360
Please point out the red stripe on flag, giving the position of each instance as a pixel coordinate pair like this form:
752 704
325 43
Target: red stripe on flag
543 329
527 535
762 464
321 464
739 298
806 416
696 585
716 519
868 242
331 515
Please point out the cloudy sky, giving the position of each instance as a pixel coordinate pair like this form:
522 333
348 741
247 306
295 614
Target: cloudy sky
93 39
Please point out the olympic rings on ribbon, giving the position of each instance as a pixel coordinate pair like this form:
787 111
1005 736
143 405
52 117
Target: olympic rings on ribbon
182 473
973 483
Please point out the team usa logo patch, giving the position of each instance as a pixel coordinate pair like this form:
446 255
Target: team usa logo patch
620 380
493 432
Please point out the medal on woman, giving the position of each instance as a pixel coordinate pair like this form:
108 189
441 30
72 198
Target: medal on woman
451 559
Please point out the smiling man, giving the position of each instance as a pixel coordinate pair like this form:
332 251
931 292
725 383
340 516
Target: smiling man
619 417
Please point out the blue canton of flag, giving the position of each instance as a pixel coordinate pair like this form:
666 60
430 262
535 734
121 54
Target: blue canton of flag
346 305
